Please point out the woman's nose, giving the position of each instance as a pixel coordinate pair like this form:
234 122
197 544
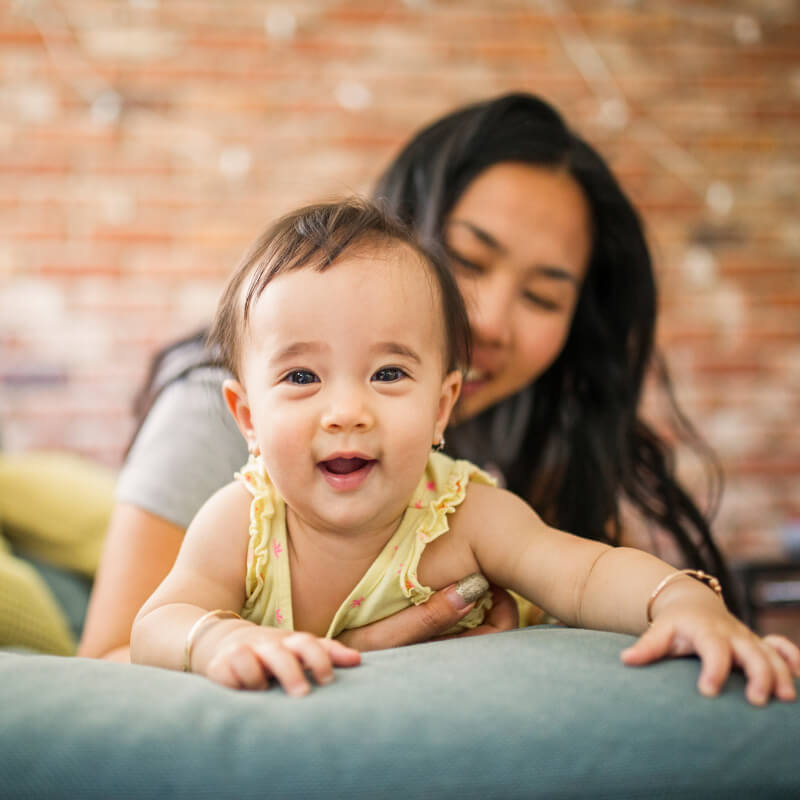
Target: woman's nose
490 309
347 410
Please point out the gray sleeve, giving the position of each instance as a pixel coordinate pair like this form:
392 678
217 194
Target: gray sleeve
188 447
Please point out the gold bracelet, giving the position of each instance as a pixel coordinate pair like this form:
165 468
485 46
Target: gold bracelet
191 637
698 574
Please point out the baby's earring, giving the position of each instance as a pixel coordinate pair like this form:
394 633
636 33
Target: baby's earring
439 446
253 448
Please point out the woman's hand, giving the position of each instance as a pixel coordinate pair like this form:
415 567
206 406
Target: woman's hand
430 621
249 656
721 641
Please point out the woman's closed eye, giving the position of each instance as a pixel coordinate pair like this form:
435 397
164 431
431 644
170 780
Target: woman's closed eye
389 374
462 262
540 301
300 377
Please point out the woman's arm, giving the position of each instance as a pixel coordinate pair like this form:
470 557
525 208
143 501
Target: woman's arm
187 448
140 550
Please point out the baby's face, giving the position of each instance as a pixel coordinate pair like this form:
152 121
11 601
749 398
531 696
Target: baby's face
344 376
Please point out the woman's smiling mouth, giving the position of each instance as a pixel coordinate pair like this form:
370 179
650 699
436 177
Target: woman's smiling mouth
473 381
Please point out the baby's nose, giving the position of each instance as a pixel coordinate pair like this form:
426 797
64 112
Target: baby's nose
348 410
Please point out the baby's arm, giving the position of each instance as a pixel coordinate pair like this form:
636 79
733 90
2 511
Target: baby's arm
589 584
209 574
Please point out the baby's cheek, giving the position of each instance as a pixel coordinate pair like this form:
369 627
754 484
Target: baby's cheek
286 434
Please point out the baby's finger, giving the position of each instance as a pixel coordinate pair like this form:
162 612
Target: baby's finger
244 664
311 653
784 680
340 654
285 667
757 667
654 643
788 650
220 670
715 657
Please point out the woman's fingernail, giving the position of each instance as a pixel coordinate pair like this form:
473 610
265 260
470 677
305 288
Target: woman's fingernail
471 588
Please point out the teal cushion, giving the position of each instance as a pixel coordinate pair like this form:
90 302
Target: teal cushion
548 713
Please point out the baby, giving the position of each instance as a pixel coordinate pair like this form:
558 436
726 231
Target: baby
347 341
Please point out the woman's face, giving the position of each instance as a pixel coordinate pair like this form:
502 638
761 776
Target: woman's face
519 240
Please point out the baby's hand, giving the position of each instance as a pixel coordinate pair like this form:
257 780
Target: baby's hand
250 655
721 641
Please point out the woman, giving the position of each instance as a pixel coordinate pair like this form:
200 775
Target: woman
551 258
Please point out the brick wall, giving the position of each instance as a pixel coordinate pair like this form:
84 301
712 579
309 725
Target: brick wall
143 143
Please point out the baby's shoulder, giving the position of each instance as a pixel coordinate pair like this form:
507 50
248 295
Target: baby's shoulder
228 506
486 508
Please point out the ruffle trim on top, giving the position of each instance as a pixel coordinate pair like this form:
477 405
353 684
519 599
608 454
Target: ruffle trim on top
434 523
262 509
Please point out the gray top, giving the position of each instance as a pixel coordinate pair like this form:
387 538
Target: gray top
188 447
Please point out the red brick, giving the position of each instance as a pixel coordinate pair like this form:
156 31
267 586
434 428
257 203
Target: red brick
731 109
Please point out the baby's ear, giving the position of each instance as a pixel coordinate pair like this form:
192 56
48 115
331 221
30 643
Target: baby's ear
236 399
451 388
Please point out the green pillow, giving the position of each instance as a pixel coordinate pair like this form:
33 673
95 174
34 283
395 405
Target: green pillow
534 713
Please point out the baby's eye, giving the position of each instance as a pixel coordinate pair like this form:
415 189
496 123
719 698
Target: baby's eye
389 374
301 377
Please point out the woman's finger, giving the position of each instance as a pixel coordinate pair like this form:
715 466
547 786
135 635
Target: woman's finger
412 625
502 616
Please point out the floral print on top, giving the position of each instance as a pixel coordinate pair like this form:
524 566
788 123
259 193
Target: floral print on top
389 585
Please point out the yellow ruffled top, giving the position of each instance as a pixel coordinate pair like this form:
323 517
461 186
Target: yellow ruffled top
389 585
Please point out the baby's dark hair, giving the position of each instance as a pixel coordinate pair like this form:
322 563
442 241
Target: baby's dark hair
315 236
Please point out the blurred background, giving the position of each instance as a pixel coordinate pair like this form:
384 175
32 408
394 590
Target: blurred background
143 144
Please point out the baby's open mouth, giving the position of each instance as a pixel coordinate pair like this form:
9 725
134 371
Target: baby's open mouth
344 466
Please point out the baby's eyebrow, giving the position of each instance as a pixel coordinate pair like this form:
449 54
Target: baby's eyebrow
296 349
397 349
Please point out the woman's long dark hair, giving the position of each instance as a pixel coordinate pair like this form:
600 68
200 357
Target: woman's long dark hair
584 446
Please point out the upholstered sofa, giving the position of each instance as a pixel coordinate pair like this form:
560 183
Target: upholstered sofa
539 712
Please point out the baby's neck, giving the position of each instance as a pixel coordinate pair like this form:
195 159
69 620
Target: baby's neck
338 546
326 565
